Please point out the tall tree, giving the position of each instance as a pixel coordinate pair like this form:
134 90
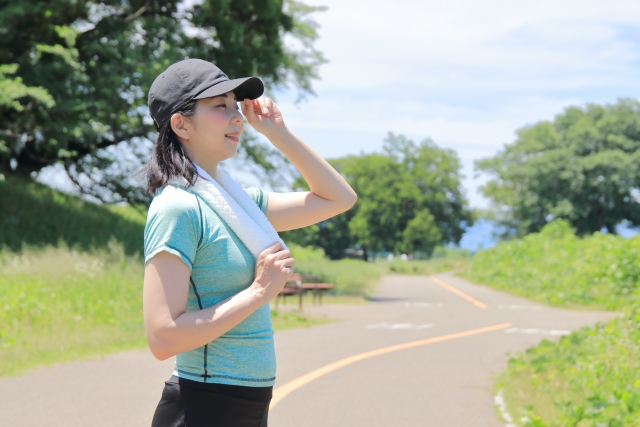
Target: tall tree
584 167
93 63
409 199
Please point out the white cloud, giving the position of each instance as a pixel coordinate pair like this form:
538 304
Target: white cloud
465 73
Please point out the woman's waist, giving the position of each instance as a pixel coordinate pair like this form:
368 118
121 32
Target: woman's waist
262 394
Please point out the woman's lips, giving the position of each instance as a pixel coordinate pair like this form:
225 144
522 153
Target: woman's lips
233 136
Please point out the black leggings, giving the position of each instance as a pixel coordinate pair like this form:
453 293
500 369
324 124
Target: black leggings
195 404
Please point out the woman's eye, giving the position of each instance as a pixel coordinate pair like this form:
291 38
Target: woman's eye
222 105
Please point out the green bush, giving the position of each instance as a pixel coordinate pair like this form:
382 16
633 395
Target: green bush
589 378
558 268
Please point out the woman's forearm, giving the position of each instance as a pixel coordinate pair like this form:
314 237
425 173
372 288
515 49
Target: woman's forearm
196 328
322 178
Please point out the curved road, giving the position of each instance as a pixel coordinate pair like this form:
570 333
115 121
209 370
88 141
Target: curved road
422 353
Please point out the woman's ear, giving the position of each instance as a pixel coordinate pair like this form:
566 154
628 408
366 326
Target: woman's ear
178 125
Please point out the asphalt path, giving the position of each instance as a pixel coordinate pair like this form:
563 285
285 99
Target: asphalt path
423 352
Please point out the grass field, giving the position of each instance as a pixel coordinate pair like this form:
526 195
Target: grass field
592 377
60 305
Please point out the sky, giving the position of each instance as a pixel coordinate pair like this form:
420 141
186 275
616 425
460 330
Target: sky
465 73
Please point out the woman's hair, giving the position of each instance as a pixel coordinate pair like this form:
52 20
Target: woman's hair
168 159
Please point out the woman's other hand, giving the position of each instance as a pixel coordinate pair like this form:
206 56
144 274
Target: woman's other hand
263 115
273 267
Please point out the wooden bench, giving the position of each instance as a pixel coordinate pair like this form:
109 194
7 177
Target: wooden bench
292 287
295 286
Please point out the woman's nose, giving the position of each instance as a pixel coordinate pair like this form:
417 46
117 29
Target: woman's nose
237 117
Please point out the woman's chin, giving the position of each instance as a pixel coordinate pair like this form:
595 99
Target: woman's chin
231 152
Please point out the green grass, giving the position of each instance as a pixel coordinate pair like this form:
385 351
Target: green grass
35 215
282 320
350 277
587 379
591 377
59 305
428 267
555 267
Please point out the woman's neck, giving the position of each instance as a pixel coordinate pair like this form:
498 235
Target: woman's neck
209 167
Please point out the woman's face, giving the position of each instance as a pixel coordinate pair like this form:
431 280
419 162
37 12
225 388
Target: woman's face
213 132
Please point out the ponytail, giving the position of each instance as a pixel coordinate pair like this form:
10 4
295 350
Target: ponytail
168 159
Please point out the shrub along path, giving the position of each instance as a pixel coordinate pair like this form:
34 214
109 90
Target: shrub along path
440 381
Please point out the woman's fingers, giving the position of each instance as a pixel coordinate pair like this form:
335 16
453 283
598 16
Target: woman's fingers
287 263
283 255
248 110
263 106
273 248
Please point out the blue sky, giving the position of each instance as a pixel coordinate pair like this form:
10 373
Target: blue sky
467 74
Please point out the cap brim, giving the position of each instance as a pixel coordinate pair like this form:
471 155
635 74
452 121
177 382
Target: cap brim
248 87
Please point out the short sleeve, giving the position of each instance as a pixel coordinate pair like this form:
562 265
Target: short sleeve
173 226
258 196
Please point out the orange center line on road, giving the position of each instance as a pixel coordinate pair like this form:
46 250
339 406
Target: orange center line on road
458 292
286 389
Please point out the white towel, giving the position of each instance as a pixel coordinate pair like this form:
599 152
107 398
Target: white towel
236 209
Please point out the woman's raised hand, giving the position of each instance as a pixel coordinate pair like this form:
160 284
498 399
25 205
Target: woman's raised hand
263 115
273 268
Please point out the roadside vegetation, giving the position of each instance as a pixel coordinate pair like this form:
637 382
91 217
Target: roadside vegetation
587 379
591 377
601 271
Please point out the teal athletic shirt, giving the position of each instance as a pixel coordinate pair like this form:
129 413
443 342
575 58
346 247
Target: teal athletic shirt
181 223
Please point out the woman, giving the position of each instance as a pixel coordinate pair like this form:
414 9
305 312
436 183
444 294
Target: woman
206 286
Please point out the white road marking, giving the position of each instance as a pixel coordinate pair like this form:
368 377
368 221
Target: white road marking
422 304
537 331
499 400
522 307
399 326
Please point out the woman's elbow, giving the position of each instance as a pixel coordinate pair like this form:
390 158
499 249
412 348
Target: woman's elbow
160 343
349 201
161 350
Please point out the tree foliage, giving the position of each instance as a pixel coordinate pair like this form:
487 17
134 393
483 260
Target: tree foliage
83 69
409 199
582 167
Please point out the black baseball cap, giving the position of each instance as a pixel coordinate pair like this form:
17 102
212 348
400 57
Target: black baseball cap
192 79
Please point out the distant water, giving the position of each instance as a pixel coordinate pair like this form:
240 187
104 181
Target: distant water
481 235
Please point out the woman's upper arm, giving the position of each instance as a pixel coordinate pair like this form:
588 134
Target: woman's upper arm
165 293
289 211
